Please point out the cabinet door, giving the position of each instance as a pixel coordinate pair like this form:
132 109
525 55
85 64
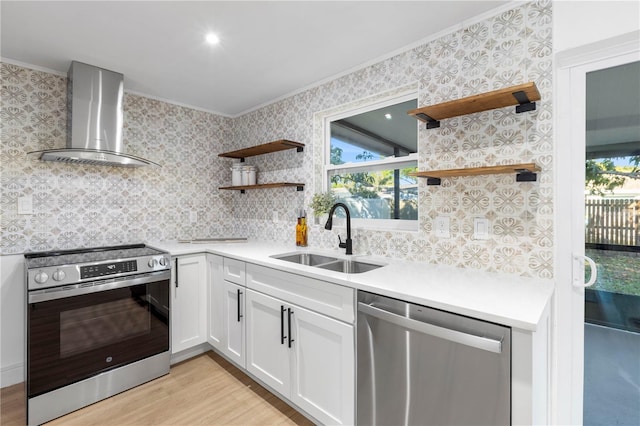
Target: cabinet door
234 322
189 302
268 353
215 329
323 367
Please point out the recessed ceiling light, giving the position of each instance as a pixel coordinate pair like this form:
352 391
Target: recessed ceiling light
212 38
387 116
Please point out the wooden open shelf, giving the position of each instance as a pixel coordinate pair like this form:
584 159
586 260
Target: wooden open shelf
522 95
242 188
275 146
525 172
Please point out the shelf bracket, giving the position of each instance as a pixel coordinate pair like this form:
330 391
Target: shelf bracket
524 175
299 188
299 149
431 123
525 103
242 159
242 191
433 181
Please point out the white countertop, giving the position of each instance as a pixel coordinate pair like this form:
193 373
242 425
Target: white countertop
511 300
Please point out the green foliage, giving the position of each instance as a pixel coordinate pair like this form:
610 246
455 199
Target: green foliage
618 272
409 210
336 155
322 202
604 176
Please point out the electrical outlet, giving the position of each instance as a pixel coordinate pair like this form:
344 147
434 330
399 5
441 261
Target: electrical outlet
442 224
274 216
193 216
480 228
25 205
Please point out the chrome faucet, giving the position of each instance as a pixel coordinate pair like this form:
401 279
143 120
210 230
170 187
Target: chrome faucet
348 243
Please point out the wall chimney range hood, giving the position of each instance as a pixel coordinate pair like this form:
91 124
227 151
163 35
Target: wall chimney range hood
94 120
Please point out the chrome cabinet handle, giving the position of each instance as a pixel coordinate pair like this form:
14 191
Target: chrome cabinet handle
578 277
478 342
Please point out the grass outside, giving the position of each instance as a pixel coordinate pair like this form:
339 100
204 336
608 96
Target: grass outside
618 272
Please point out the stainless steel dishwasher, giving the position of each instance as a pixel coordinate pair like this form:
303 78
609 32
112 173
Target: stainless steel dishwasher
423 366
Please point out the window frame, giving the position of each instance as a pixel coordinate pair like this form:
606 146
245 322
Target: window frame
392 162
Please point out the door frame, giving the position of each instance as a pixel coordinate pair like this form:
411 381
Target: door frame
570 71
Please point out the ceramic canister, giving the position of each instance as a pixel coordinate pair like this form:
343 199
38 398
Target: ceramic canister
236 174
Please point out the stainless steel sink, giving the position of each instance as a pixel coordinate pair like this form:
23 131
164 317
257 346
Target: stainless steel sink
350 266
346 266
309 259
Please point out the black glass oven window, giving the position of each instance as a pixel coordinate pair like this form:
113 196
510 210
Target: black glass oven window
101 325
78 337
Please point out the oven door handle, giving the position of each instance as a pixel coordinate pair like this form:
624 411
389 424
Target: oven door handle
95 286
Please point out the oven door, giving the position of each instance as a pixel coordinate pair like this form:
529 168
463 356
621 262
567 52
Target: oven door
75 332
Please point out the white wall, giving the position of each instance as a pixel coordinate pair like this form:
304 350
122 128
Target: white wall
12 326
577 23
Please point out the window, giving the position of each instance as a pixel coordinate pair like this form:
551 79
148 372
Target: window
370 153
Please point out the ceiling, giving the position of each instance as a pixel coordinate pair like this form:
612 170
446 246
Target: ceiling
373 131
613 111
267 49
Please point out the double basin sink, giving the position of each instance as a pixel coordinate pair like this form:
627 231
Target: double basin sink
328 262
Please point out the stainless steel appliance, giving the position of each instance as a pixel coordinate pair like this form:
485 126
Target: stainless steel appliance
97 324
423 366
95 99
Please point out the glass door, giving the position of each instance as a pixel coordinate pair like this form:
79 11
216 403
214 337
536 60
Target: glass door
612 241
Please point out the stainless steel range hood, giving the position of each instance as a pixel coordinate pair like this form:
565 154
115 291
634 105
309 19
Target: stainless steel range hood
94 120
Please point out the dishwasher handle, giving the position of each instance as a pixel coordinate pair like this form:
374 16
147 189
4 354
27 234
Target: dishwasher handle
467 339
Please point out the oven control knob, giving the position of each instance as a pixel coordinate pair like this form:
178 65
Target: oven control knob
59 275
152 263
163 261
41 277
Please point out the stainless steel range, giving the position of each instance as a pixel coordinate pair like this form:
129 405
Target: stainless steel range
97 324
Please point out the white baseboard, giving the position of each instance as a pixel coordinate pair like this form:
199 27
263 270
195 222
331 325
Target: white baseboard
11 375
190 353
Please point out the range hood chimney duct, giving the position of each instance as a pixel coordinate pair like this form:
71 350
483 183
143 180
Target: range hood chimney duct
95 99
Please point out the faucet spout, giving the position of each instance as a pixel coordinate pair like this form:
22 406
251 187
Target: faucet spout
348 243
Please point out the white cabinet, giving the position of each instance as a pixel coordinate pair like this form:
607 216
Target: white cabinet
305 356
323 367
268 354
215 297
234 322
226 321
188 302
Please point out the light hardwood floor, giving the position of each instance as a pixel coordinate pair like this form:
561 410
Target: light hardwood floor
205 390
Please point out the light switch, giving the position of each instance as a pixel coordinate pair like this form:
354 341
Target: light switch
25 205
480 228
441 225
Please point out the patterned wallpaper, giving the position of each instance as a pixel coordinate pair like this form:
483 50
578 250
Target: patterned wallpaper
77 205
511 48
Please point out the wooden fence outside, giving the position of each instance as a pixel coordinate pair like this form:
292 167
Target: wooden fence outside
613 221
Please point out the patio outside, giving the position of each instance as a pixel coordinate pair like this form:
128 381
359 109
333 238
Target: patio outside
612 304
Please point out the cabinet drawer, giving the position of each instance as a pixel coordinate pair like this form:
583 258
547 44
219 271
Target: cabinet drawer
234 271
320 296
